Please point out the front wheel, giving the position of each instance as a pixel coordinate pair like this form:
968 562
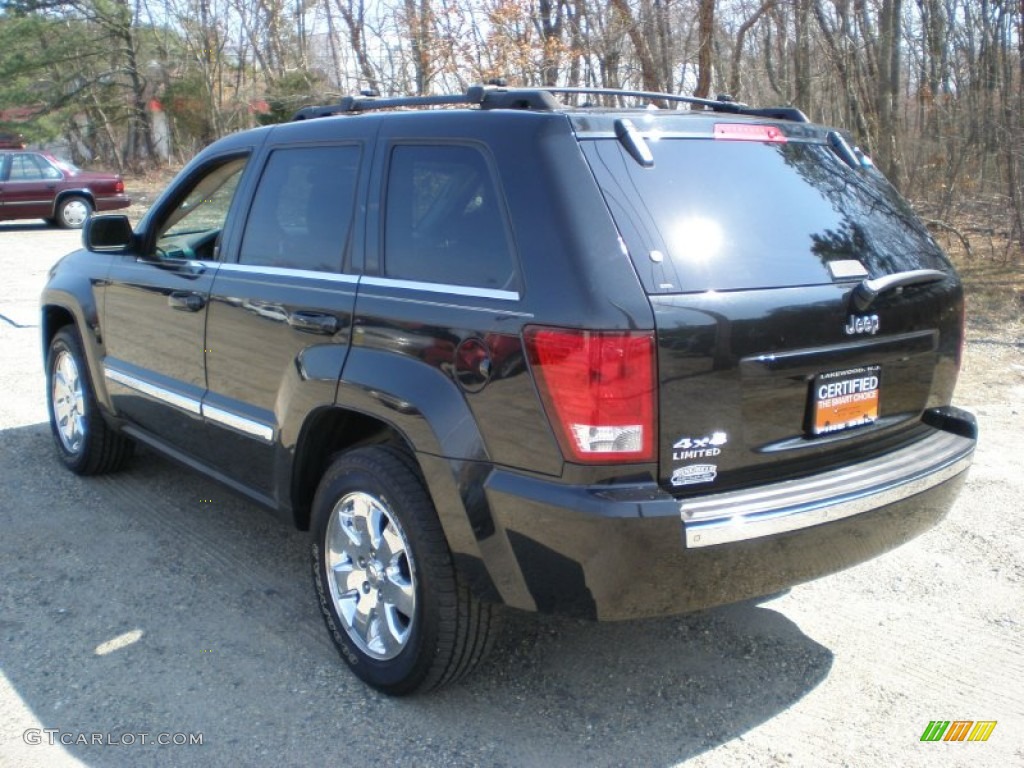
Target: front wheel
72 212
397 610
85 443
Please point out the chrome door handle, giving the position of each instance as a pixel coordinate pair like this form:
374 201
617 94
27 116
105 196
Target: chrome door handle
186 301
313 322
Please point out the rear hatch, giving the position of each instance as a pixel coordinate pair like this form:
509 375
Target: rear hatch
796 328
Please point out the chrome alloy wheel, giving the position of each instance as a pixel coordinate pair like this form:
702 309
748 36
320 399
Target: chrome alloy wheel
371 574
75 213
68 402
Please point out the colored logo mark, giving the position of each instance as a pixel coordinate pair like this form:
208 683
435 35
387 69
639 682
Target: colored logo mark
958 730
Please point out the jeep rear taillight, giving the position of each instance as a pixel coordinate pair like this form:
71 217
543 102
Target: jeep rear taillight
598 388
119 186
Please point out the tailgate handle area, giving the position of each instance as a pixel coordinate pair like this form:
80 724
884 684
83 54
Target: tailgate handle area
865 294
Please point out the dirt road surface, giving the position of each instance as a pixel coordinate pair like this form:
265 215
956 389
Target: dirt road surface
153 605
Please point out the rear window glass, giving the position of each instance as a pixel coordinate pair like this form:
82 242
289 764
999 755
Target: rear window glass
735 215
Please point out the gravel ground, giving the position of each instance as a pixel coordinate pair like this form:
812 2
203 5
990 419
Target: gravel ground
154 602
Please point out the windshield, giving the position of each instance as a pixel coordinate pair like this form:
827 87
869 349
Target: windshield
735 215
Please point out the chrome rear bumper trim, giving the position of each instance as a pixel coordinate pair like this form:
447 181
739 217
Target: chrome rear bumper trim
794 504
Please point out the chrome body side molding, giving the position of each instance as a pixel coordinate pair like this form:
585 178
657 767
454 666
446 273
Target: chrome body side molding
220 416
185 403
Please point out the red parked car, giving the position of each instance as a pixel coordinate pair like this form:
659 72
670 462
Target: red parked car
36 185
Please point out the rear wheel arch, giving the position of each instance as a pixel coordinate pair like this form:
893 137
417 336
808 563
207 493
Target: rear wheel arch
65 194
332 431
324 434
71 209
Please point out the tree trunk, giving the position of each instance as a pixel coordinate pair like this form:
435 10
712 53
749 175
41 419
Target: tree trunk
648 69
802 55
737 51
551 32
418 20
853 104
141 129
354 15
705 46
888 87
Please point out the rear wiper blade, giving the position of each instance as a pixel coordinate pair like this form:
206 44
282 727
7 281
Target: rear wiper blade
867 291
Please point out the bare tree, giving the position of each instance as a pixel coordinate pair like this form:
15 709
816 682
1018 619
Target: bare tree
705 46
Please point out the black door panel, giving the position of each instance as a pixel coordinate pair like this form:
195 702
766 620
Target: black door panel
154 351
155 307
257 338
285 299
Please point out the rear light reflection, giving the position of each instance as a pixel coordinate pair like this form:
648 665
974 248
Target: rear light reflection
598 389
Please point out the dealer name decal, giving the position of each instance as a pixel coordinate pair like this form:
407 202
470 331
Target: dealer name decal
695 473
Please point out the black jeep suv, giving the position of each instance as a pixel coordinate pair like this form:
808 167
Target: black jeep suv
602 361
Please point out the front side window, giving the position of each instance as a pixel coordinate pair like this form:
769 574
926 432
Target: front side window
193 228
444 221
302 211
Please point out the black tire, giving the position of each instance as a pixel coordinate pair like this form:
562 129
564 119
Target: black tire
72 211
448 632
85 442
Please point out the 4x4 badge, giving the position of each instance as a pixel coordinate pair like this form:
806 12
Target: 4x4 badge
862 324
699 447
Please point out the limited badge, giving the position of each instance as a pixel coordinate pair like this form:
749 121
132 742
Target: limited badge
695 473
699 447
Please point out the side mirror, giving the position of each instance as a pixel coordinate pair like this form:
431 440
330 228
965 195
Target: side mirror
107 233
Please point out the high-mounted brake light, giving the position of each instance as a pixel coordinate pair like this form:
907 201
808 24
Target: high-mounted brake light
598 388
745 132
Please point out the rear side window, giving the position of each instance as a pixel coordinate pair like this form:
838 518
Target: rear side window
302 211
735 215
31 168
444 220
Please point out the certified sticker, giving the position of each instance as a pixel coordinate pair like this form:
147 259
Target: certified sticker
844 399
694 474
